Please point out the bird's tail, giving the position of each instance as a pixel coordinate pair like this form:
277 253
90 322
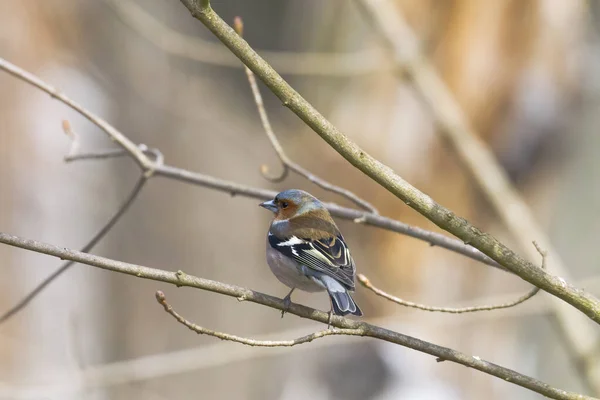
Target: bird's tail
343 303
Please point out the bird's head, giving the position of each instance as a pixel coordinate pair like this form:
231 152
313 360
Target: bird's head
292 203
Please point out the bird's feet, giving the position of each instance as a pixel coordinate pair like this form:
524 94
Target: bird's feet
329 320
287 302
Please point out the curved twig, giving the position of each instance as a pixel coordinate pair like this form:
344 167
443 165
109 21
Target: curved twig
450 310
242 294
454 310
162 300
286 162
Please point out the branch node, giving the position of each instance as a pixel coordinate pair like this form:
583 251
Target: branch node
360 220
180 276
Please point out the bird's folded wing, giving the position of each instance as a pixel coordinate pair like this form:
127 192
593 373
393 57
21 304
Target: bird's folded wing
329 256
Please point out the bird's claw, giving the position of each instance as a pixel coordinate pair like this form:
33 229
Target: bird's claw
287 302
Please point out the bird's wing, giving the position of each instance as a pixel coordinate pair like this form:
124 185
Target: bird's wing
329 255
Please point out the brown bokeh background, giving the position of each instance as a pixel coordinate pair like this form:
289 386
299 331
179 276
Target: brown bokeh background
526 75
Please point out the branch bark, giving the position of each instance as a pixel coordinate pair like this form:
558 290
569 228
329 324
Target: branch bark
180 279
385 176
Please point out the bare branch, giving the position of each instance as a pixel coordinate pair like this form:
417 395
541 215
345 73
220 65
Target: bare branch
89 246
453 310
162 300
285 160
181 279
385 176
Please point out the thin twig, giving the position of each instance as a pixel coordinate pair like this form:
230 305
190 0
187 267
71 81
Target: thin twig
286 162
415 67
89 246
385 176
181 279
162 300
233 188
352 64
75 155
454 310
450 310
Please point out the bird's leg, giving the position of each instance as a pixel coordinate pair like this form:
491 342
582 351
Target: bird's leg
330 313
287 302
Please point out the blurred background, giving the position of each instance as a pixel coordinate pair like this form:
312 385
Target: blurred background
527 75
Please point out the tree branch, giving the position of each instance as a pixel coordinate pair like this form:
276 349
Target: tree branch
385 176
181 279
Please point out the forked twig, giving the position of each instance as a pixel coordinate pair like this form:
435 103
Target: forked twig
286 162
75 155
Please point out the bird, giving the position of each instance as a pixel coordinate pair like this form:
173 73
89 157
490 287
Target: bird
306 251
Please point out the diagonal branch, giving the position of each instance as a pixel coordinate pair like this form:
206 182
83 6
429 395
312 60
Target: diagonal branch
384 175
181 279
162 300
287 163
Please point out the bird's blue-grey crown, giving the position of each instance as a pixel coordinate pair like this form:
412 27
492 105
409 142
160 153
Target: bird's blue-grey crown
306 201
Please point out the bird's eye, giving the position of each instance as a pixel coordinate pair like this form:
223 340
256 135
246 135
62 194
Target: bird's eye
284 204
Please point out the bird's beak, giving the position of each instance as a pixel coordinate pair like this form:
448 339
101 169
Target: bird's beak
269 205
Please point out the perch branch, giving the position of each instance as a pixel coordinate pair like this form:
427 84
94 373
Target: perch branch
162 300
218 354
181 279
385 176
287 163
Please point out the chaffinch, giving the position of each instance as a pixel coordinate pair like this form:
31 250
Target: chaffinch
306 251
